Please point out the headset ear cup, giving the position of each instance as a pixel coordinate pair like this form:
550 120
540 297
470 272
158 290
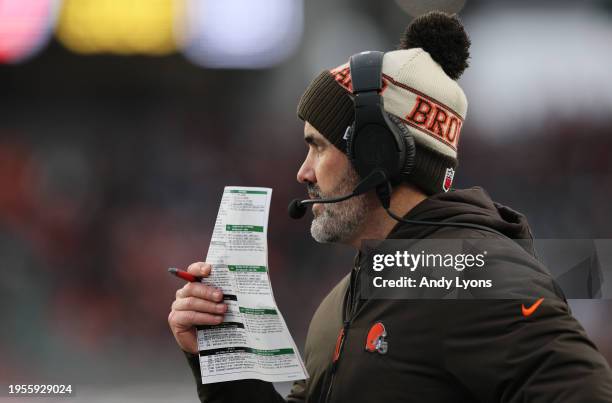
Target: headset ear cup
409 155
409 145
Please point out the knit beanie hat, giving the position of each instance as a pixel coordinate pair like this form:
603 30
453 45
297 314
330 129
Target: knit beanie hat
419 91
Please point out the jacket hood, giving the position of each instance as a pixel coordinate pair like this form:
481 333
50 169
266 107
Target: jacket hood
472 206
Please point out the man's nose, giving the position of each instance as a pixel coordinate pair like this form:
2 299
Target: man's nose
306 173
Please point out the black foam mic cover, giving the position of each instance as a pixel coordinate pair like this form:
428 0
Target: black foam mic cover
296 209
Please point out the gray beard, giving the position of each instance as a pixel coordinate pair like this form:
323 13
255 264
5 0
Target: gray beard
339 222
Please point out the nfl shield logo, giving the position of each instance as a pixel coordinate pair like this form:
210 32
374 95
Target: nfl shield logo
448 179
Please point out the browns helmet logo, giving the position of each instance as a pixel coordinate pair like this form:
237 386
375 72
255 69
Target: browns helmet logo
376 339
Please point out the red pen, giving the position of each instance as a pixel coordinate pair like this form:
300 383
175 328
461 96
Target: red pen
184 275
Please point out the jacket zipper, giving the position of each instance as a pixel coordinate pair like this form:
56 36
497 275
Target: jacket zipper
337 354
348 308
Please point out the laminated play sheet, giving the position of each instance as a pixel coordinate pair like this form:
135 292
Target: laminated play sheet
253 342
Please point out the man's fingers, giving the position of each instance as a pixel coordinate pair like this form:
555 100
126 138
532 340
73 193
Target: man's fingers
198 305
199 269
188 319
200 290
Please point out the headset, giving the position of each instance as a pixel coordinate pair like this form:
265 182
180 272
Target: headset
381 149
374 141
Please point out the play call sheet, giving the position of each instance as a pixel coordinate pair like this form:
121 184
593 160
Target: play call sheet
253 342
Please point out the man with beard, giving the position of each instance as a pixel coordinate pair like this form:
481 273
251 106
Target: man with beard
333 222
370 350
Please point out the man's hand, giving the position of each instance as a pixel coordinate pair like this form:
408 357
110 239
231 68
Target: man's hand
195 304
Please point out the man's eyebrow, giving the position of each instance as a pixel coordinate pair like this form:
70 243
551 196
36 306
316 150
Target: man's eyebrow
311 139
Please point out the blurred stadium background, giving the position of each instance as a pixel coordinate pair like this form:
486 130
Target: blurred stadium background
121 121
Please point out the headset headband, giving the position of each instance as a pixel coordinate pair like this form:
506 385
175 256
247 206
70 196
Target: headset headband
366 71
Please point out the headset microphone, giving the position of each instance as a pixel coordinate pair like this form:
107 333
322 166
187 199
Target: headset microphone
297 208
